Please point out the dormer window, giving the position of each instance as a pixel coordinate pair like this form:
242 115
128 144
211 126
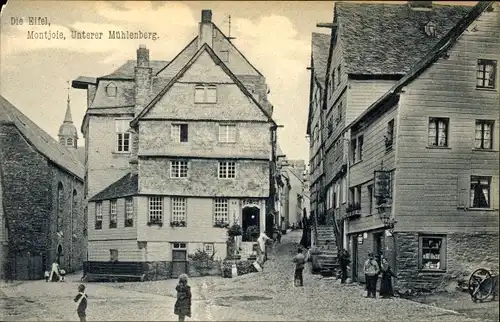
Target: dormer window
111 90
205 94
69 142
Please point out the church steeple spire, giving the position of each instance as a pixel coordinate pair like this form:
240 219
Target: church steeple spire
68 136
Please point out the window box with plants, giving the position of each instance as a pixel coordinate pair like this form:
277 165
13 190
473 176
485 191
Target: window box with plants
353 210
178 223
155 222
221 224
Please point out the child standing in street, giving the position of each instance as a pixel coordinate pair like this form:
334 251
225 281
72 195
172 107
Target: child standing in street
81 303
183 304
300 262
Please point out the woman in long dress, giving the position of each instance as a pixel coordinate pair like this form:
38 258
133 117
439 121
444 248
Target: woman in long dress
386 290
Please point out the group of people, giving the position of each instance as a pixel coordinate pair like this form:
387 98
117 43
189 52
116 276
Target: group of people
372 271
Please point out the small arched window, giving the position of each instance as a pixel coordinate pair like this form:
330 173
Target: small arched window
69 142
60 205
111 90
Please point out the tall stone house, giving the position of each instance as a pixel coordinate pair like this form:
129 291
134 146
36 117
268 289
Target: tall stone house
41 196
295 173
175 150
362 64
427 177
319 58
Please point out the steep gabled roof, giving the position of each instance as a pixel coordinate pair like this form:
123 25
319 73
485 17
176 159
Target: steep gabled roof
320 50
434 54
212 54
389 39
41 140
126 186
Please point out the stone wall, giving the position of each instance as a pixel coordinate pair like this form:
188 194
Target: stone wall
464 254
162 270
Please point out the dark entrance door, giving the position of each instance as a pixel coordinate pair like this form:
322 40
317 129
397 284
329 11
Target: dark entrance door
59 254
354 258
378 244
179 259
250 218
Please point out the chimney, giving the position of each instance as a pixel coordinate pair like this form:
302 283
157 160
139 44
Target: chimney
420 5
143 85
206 29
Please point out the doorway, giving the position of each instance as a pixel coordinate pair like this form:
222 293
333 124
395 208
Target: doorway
378 245
354 258
250 223
179 259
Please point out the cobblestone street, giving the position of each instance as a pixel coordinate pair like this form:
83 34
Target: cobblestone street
268 295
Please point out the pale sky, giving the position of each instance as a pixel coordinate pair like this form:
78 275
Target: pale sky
274 36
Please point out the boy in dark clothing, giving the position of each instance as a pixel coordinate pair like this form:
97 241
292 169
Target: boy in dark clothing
300 262
81 303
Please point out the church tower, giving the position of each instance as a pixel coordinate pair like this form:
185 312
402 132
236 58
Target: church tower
68 135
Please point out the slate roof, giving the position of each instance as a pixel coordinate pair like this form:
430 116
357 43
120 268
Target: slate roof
41 140
320 50
126 186
384 38
80 152
431 56
126 71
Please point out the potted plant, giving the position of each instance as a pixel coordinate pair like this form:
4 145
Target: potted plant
177 223
221 224
156 222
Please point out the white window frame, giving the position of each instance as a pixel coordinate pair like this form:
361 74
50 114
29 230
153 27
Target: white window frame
426 253
207 98
175 132
129 212
227 169
123 135
485 183
179 169
482 71
482 134
227 133
221 210
436 137
178 209
209 248
155 209
98 215
179 245
113 214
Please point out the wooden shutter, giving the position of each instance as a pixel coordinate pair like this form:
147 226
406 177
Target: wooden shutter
443 254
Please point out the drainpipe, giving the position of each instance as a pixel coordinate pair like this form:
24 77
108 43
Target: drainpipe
71 233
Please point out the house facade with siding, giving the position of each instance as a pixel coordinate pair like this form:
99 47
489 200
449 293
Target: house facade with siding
319 55
363 63
186 147
41 197
428 177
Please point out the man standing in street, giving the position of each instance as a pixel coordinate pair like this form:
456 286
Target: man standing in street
371 275
344 262
300 262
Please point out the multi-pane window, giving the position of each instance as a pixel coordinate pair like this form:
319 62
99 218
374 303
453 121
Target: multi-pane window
179 132
227 132
484 134
432 253
221 210
122 135
178 169
357 149
155 209
438 131
98 215
486 73
129 212
370 198
179 209
480 192
205 94
113 215
227 169
209 249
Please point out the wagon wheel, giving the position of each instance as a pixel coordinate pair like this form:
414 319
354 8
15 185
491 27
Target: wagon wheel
480 284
